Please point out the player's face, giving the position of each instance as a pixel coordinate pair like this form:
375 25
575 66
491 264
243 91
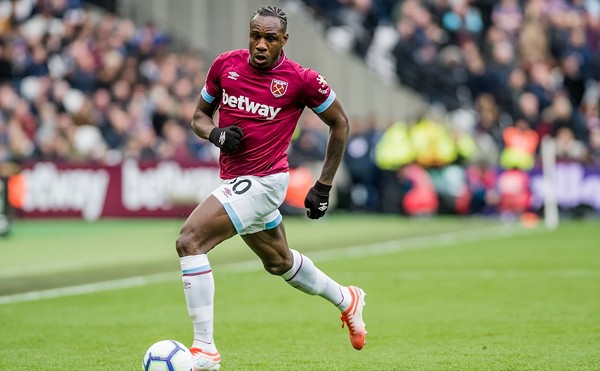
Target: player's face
267 38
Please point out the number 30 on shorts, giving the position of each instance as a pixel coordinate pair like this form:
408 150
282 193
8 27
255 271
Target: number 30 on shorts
241 186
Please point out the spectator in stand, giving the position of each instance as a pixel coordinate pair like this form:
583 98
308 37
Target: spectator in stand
594 146
309 143
520 146
567 147
20 146
481 80
359 160
6 65
439 149
56 144
529 110
561 113
116 132
88 144
562 18
463 22
517 81
508 15
574 76
175 144
482 180
590 110
450 79
501 65
393 151
487 132
541 83
142 147
593 37
404 51
533 43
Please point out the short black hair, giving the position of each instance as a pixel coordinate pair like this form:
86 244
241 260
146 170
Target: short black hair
272 11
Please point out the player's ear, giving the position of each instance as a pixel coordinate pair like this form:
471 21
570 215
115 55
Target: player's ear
285 39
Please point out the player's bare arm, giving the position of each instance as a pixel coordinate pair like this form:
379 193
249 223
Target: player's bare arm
339 128
202 122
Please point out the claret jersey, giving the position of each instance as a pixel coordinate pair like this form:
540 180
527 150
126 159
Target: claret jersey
266 104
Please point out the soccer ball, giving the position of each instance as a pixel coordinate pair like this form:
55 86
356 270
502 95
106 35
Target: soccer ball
168 355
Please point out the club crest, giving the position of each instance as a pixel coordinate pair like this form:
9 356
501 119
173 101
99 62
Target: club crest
278 87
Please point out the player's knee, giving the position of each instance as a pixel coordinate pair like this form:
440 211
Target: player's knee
181 245
274 269
278 266
186 244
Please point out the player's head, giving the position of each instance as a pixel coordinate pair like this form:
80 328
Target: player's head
268 35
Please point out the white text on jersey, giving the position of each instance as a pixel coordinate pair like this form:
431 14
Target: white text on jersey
245 104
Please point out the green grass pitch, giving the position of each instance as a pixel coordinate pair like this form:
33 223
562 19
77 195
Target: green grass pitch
442 294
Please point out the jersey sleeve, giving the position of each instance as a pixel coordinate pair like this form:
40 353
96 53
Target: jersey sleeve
212 86
318 96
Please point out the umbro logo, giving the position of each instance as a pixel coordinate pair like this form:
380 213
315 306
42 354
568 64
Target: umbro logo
323 206
233 75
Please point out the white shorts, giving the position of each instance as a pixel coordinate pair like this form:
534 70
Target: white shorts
252 202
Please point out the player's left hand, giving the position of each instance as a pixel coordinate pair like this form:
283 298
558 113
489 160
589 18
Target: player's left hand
317 200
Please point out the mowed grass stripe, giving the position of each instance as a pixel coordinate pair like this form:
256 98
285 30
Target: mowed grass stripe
527 302
48 254
352 252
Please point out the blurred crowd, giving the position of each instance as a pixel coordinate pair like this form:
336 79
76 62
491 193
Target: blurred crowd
86 85
507 63
501 76
82 85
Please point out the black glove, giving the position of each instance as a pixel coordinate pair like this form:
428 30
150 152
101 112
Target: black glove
317 200
227 138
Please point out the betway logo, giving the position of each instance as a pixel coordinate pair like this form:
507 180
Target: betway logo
245 104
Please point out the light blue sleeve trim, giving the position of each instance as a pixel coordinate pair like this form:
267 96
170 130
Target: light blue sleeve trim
207 97
235 219
325 104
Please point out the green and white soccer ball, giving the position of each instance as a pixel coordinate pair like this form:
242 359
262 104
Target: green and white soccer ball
168 355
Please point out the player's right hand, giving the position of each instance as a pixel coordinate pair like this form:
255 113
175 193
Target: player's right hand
227 138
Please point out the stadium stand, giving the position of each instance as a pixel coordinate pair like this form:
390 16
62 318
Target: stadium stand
82 84
508 73
78 84
524 56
